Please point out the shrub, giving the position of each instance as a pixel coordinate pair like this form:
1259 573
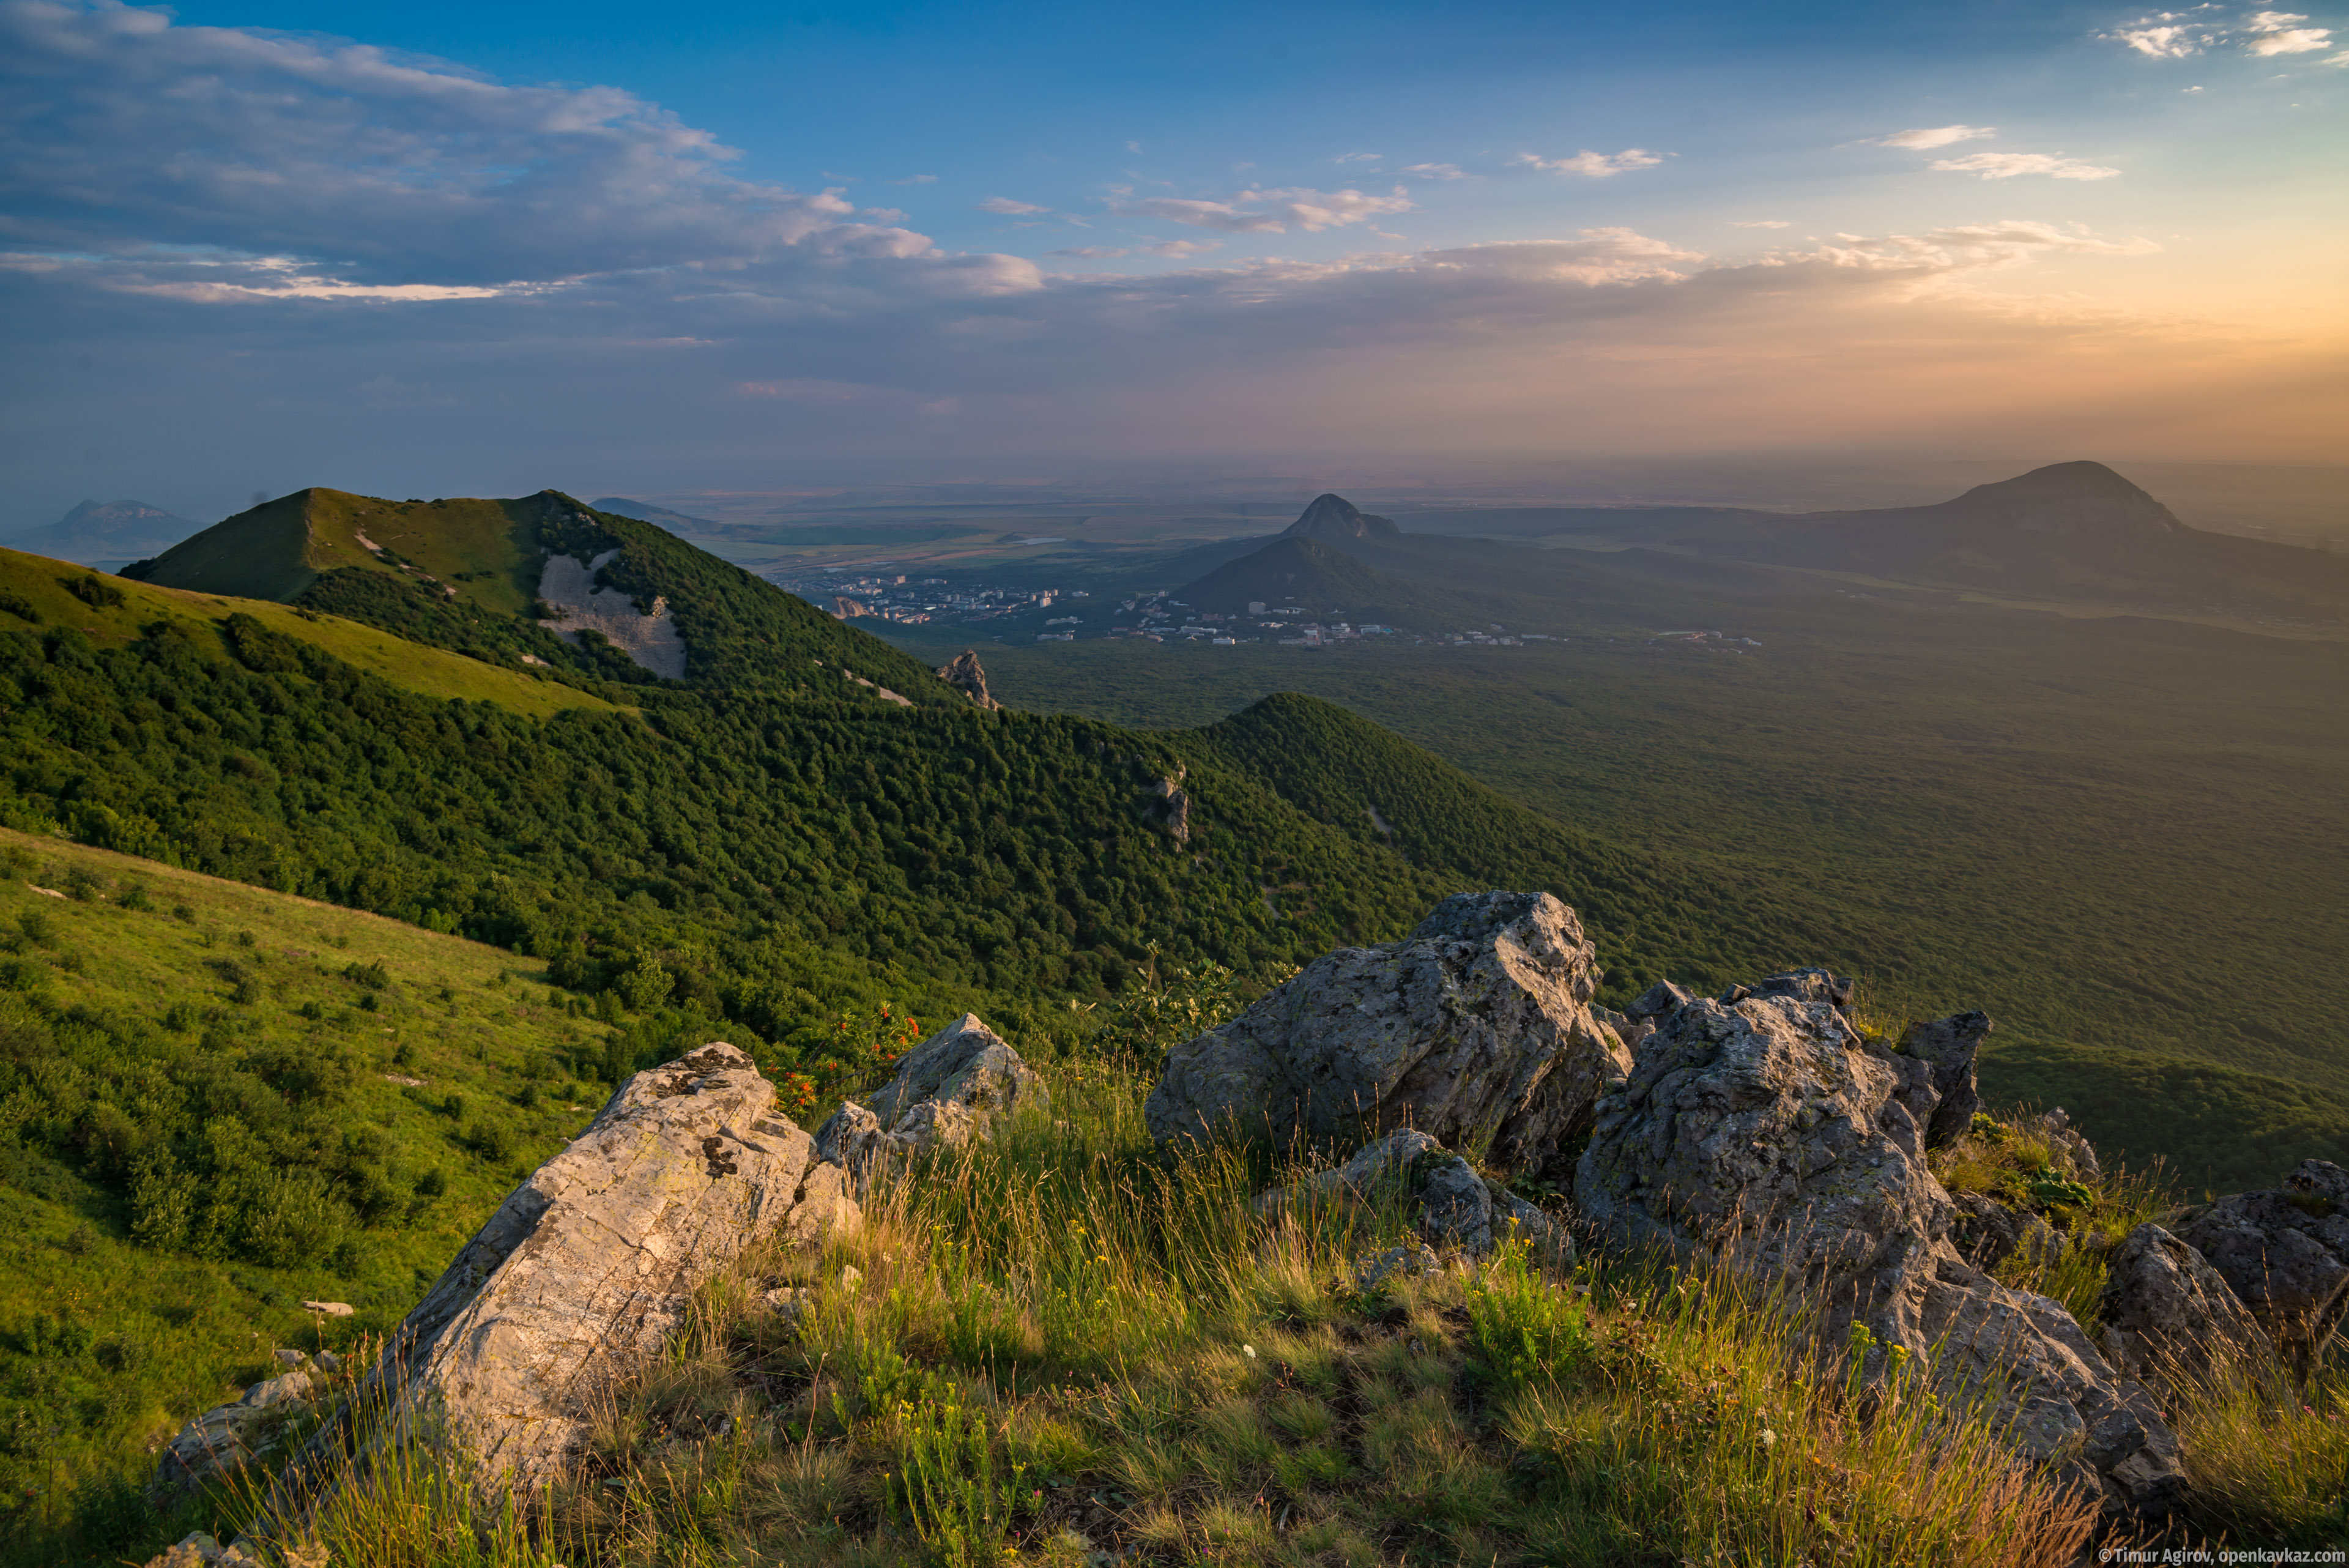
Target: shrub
93 590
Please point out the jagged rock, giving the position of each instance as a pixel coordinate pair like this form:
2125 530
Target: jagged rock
1948 1046
1477 1031
198 1550
589 1266
1768 1137
1455 1207
227 1438
963 673
1661 998
949 1090
1987 1233
1373 1270
1803 985
2056 1127
2284 1252
1166 807
2164 1308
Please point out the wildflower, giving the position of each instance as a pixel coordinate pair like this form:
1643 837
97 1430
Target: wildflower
1769 1439
1249 1351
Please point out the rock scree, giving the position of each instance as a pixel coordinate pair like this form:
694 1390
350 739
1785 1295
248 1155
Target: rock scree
1763 1133
587 1268
1477 1031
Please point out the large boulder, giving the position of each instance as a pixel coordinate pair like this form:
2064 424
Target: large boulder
949 1090
2285 1251
1477 1031
588 1268
2165 1310
1767 1136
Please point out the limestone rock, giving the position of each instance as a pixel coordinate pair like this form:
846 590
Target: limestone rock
1987 1233
227 1438
2164 1308
1477 1031
1660 999
2283 1252
1767 1136
1452 1205
949 1090
1948 1046
963 673
198 1550
587 1268
2057 1129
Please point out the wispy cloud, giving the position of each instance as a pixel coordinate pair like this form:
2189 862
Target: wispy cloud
1435 171
1757 222
1597 165
1177 248
1270 212
1010 208
1938 136
2008 165
1358 158
917 180
2175 34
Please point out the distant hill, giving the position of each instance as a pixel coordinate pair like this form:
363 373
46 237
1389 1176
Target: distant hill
472 574
106 534
646 512
1334 518
1324 579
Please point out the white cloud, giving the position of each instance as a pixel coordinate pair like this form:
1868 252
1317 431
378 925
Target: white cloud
1270 212
2340 59
2162 40
917 180
1176 248
2277 33
1757 222
1358 158
1435 171
1598 165
126 132
1006 206
2008 165
1133 147
1938 136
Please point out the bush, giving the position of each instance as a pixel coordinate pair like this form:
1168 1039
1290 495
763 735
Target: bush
298 1219
93 590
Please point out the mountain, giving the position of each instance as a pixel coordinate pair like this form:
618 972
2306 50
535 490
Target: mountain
1333 518
635 603
1324 579
106 534
645 512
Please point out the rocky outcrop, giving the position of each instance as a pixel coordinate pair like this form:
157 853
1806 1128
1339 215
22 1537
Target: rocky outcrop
1948 1046
1449 1204
587 1269
2071 1151
568 590
949 1090
1477 1032
214 1446
1766 1134
963 673
1987 1233
2284 1252
2166 1311
1166 807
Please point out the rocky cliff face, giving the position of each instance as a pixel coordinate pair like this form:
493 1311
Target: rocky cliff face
963 673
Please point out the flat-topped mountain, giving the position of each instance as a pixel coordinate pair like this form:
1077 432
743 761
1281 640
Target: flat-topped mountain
107 534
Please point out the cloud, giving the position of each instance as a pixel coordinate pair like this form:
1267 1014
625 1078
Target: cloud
1176 248
1435 171
2162 40
129 134
1270 212
2275 32
1358 158
1133 147
1598 165
2008 165
1938 136
1006 206
1757 222
917 180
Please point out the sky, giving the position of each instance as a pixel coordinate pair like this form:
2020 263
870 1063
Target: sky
434 248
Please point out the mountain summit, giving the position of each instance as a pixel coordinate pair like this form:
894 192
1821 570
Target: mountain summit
2065 498
1333 518
106 534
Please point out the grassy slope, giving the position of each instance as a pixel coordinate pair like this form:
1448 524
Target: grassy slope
430 671
169 1334
2113 835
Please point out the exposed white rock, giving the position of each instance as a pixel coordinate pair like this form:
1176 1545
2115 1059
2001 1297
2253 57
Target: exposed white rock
949 1090
569 588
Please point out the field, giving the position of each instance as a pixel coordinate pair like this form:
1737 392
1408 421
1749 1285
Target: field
270 1039
2113 835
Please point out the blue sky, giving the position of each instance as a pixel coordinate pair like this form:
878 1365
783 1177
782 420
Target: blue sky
433 248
